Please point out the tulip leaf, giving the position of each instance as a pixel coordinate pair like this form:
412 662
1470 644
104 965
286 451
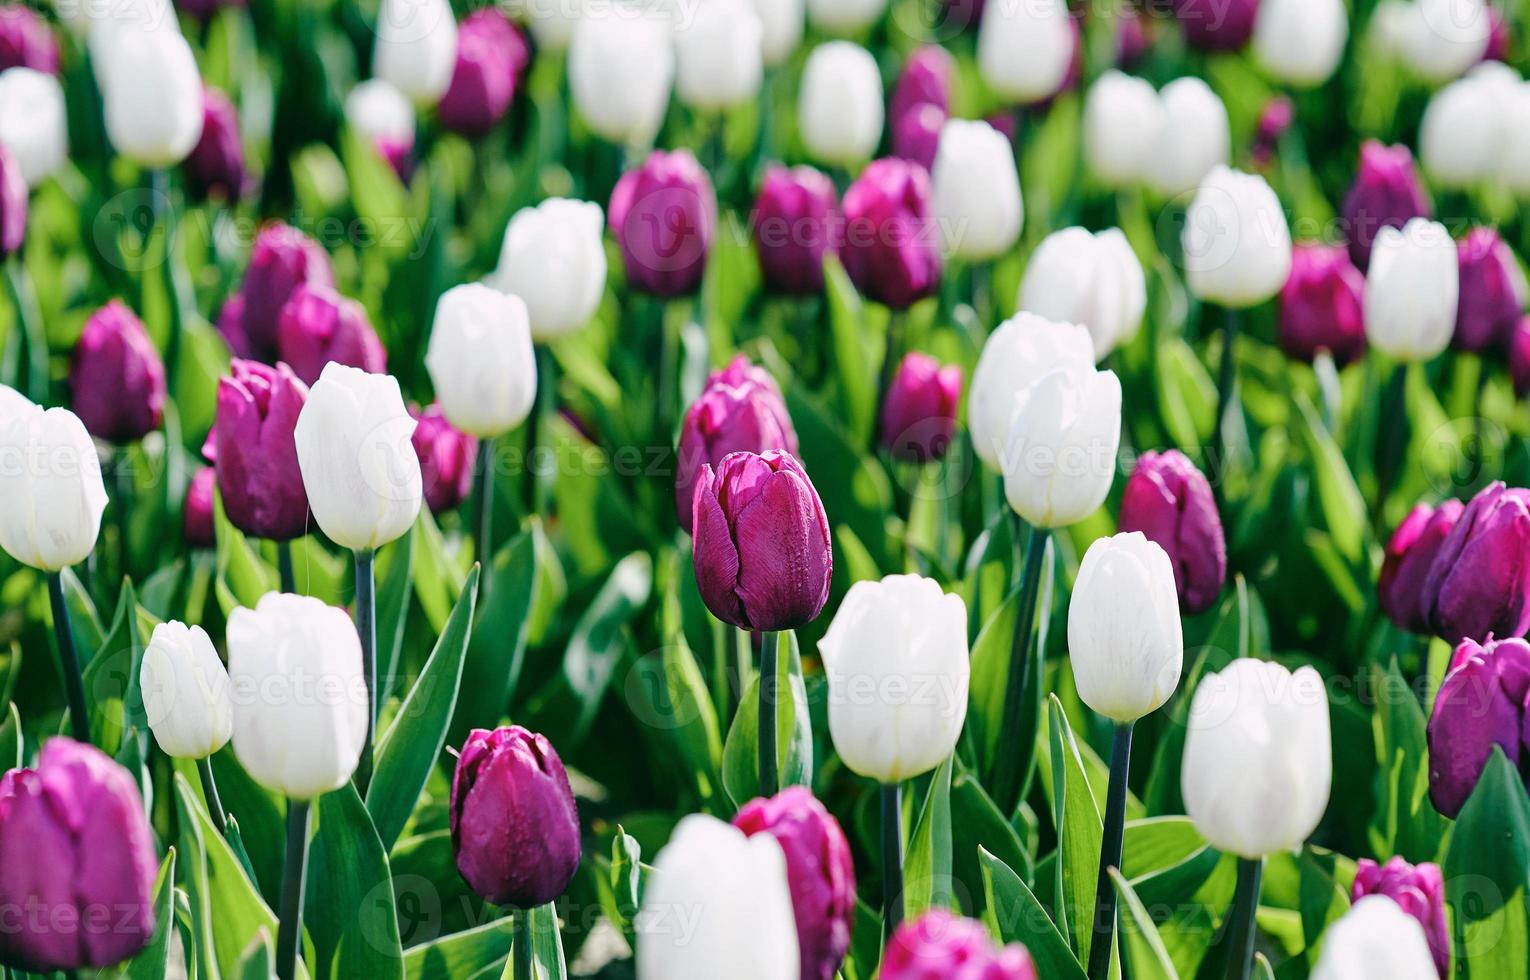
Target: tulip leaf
88 631
990 672
977 825
1487 873
547 944
619 883
794 726
11 742
242 577
927 866
687 710
150 962
856 373
410 747
437 581
497 648
349 909
393 600
1342 504
257 962
1079 832
1405 821
1262 969
1142 947
1187 397
111 678
260 819
473 953
1014 916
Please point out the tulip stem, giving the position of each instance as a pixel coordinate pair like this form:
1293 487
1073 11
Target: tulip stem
892 858
69 660
1227 376
541 415
366 627
1110 853
122 484
1022 684
289 926
769 778
210 791
483 532
889 368
1240 919
521 945
284 567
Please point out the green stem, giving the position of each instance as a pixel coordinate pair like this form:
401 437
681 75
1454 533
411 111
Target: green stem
122 486
1227 377
1110 853
483 532
366 627
29 318
1393 425
284 566
890 358
69 661
1022 683
891 796
541 415
521 945
210 791
1240 919
289 926
766 743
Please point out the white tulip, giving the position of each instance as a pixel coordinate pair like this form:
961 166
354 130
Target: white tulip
898 668
1375 940
717 904
976 190
554 259
12 403
1514 152
481 360
620 69
185 692
1014 357
844 16
416 47
377 110
1411 291
1124 636
34 125
1258 765
719 61
1300 42
839 104
1462 135
99 22
151 93
1440 39
299 694
1237 244
1024 48
359 467
1193 140
1060 453
552 22
51 493
1091 279
1123 116
782 24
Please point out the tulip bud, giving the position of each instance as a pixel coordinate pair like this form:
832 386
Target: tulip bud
279 654
919 412
939 944
1016 355
1519 357
1480 704
152 96
1419 891
819 872
554 259
51 494
1440 39
664 216
197 512
26 41
781 23
491 55
1274 121
1123 117
1237 244
1060 457
359 467
1258 764
13 205
916 134
736 890
318 326
845 16
719 62
33 124
1211 25
1320 305
416 47
1386 194
926 78
74 844
512 778
1411 291
761 568
620 69
216 163
1090 279
253 448
1168 500
889 249
977 190
899 634
185 692
795 225
1461 135
1493 292
447 458
1024 49
741 410
1300 42
281 259
117 378
1375 940
1476 585
481 360
381 115
1193 140
839 104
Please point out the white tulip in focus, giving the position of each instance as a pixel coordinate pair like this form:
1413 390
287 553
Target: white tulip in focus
51 494
898 668
1090 279
554 259
359 466
1462 135
1024 48
1123 116
481 360
34 125
1014 357
151 92
1193 140
844 16
1236 241
719 61
1258 765
299 694
1124 636
1300 42
1412 288
1060 452
781 22
621 66
839 104
717 904
1440 39
1375 940
185 692
416 47
976 190
377 110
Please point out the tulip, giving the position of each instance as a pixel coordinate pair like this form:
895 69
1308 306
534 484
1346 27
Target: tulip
1519 357
554 259
1236 241
552 24
1059 459
216 163
1492 292
1193 140
203 11
252 445
919 414
1300 42
51 493
513 778
795 225
13 205
1499 37
318 326
152 96
781 23
1132 39
889 249
1480 704
1440 39
741 409
664 216
1375 940
916 134
1476 585
1419 891
491 55
845 16
839 104
1216 26
13 403
942 945
197 512
74 843
117 378
1169 500
34 127
416 47
926 78
446 459
1024 49
976 191
480 360
1411 291
281 259
1513 168
26 41
1122 119
185 692
1461 135
719 58
382 116
1386 194
620 70
1320 305
819 873
1090 279
1016 355
1274 121
736 889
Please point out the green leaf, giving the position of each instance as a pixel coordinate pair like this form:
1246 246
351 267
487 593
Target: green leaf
1187 397
1079 831
927 866
150 963
1142 948
111 678
394 597
854 370
257 962
10 739
242 577
1342 503
978 825
462 954
690 713
1015 916
1405 821
497 648
1487 871
794 728
349 910
226 908
619 883
547 944
88 632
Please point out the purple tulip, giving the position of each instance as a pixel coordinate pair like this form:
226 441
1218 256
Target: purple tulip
77 865
282 258
664 215
1170 502
1480 704
941 946
13 205
925 79
819 873
491 54
398 154
1321 305
1385 194
890 248
919 413
318 325
1519 356
117 378
253 448
447 457
1277 116
197 512
1418 890
962 14
1409 556
216 164
1479 583
796 221
1492 292
761 546
1132 41
1216 25
203 10
26 40
1499 37
514 826
916 134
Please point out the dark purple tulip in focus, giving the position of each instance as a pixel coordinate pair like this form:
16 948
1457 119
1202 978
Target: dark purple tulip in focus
216 164
253 448
197 512
796 222
117 379
1418 890
916 134
940 945
925 80
1385 194
1479 583
318 325
1480 704
664 216
1519 356
282 258
890 248
447 457
491 55
1409 556
919 413
1321 305
13 205
1492 292
1216 25
26 41
1170 502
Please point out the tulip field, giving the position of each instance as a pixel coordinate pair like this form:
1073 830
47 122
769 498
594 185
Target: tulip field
764 490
